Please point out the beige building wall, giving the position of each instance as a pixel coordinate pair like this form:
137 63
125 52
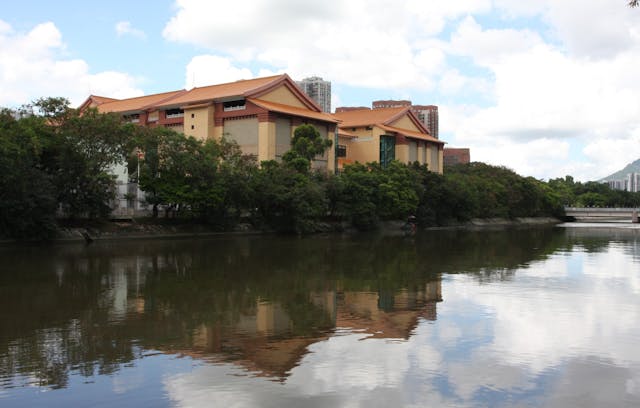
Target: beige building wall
413 150
402 152
406 123
266 141
284 133
246 133
283 96
422 153
198 122
366 148
435 158
218 132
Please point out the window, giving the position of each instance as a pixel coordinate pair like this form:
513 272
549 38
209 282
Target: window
387 150
134 118
174 113
193 115
234 105
342 151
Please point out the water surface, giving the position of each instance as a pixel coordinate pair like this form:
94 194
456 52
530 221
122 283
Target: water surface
541 317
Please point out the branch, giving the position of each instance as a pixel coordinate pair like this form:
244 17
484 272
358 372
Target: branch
634 3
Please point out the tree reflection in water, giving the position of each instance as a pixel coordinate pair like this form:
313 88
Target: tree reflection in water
258 302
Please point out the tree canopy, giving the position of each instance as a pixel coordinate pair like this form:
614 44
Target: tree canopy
58 163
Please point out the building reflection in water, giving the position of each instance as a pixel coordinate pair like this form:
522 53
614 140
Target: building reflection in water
264 344
226 300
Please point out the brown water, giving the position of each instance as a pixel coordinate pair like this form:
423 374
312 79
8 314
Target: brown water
541 317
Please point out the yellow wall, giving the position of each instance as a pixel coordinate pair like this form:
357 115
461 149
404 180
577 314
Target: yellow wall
283 96
217 132
198 122
406 123
402 152
439 166
266 141
366 148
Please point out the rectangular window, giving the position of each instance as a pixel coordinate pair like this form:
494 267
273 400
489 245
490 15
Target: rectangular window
174 113
234 105
342 151
387 150
134 118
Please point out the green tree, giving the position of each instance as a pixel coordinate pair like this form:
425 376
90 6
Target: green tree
286 199
306 144
205 180
27 197
81 152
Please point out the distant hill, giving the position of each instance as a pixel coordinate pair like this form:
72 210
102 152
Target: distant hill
619 175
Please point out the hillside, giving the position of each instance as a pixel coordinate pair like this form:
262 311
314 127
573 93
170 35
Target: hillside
629 168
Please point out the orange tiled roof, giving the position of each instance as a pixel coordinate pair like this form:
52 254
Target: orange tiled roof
368 117
295 111
411 133
138 103
101 99
208 93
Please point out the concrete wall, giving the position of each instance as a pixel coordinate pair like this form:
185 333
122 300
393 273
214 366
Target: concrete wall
283 136
406 123
267 141
245 132
283 96
198 122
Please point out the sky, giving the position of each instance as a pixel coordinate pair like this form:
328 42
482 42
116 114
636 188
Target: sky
548 88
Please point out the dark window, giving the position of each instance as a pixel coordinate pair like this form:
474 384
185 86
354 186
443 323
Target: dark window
234 105
387 150
342 151
174 113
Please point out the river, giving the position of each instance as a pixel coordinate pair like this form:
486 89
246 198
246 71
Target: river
544 317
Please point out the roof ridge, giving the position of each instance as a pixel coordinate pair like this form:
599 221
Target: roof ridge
145 96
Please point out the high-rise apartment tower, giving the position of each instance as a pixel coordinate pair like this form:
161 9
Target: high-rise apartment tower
319 90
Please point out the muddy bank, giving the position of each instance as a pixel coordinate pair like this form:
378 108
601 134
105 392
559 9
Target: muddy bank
122 230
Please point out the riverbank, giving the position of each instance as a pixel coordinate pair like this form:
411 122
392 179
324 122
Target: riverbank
158 230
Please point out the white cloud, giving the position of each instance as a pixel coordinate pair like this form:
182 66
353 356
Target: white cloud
205 70
543 94
489 46
544 75
34 65
386 46
125 28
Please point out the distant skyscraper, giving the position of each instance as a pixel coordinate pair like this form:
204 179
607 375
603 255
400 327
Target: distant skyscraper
428 114
319 90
